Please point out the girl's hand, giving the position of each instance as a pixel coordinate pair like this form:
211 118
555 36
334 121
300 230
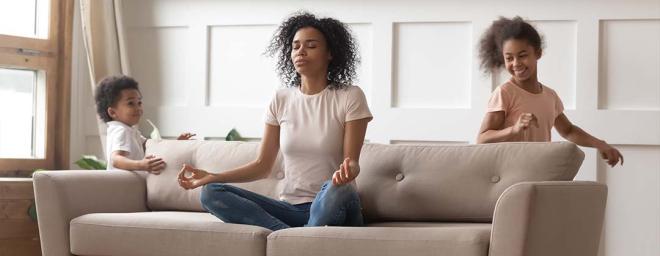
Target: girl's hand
524 121
152 164
610 154
185 136
197 178
347 172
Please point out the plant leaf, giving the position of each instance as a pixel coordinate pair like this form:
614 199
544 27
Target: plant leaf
155 133
233 135
89 162
32 211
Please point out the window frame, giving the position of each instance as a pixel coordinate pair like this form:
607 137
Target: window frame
53 56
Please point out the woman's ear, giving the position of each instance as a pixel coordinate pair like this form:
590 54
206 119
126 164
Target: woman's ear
539 53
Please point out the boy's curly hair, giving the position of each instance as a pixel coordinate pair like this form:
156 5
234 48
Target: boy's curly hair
342 47
108 92
490 46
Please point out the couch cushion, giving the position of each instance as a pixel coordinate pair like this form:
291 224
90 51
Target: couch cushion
163 233
163 191
390 239
454 182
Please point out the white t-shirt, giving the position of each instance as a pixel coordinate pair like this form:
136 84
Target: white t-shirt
125 138
312 135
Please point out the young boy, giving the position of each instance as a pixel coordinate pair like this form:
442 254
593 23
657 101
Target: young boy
119 104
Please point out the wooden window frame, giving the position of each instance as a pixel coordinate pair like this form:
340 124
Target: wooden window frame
52 55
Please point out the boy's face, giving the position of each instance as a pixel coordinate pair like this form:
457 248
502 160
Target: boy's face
128 108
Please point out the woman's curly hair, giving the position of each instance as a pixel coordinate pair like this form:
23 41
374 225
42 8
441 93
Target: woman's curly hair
340 42
490 46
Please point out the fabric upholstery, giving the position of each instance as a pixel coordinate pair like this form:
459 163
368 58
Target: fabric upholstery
457 240
163 233
549 218
454 182
163 191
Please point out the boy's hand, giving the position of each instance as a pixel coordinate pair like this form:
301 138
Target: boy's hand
197 177
185 136
347 172
610 154
524 121
152 164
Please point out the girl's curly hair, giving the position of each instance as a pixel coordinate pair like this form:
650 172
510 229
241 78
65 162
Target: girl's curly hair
340 42
490 46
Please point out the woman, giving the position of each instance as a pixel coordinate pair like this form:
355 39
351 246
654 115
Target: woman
319 120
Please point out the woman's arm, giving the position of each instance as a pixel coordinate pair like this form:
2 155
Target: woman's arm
255 170
354 132
578 136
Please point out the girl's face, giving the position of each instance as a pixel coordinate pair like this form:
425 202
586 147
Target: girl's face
520 59
309 53
128 109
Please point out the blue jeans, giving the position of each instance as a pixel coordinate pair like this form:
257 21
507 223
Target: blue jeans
333 206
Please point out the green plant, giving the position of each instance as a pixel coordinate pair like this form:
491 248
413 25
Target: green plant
155 133
233 135
89 162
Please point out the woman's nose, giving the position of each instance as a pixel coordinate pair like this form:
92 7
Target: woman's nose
301 51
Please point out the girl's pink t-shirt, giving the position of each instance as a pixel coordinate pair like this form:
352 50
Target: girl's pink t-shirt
515 101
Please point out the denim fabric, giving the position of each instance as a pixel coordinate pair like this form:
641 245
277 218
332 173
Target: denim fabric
333 206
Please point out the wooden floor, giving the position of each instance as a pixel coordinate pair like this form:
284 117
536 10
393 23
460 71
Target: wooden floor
19 234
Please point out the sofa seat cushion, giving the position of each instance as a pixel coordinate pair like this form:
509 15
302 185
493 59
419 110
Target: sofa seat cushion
163 233
383 239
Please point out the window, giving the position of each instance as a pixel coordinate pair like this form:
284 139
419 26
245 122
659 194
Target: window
34 65
22 107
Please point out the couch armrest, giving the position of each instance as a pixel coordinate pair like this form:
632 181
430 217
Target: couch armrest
549 218
61 196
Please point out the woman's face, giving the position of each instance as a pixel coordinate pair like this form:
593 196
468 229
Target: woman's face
309 53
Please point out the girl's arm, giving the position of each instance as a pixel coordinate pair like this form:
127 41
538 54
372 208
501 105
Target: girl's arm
493 130
578 136
354 132
255 170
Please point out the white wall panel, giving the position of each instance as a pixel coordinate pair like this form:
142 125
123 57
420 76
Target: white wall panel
158 62
364 36
630 64
633 203
239 72
432 65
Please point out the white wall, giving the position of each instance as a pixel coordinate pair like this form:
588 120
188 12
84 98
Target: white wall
201 70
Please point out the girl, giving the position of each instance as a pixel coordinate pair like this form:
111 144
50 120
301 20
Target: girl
320 121
523 109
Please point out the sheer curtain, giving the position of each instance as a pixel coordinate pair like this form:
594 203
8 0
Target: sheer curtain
104 38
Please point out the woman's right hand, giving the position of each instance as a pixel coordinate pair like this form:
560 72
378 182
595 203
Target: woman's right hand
524 120
197 178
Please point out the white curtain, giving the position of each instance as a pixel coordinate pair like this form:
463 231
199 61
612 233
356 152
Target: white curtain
104 38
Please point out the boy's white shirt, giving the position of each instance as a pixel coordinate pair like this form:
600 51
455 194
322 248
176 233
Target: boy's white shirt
125 138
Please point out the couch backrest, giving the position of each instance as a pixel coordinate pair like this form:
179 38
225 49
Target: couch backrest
396 183
454 182
163 191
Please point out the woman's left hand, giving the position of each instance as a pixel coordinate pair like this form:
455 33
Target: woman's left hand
347 172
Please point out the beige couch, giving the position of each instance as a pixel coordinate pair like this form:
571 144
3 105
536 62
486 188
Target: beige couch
508 199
